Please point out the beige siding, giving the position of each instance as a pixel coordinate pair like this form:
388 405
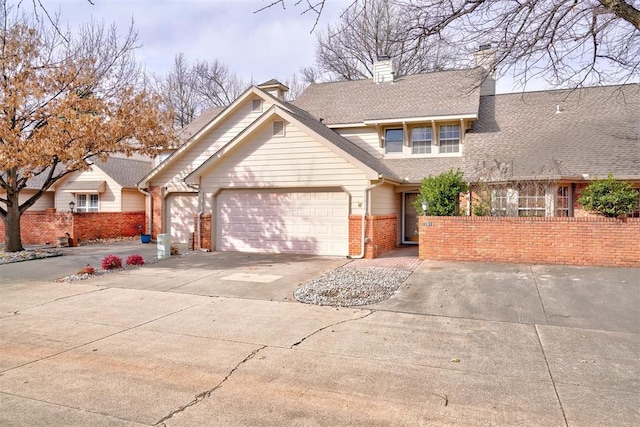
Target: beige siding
293 161
44 202
132 201
172 176
364 137
110 200
384 201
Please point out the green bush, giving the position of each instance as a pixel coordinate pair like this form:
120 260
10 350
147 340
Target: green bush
609 197
442 193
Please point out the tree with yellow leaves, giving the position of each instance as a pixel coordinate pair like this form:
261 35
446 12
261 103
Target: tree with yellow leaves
63 101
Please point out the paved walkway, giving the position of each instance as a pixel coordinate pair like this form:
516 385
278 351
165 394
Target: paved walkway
213 339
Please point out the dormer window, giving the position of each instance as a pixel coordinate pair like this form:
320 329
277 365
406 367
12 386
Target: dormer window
256 106
421 138
449 139
393 141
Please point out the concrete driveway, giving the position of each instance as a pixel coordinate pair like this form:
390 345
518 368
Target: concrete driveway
215 339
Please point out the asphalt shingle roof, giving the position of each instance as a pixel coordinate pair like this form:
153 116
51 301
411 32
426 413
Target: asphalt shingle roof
420 95
198 123
595 132
126 172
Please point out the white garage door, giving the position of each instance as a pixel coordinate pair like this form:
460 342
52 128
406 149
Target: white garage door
312 222
182 208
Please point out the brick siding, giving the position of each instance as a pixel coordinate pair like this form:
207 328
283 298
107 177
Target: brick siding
381 231
568 241
42 227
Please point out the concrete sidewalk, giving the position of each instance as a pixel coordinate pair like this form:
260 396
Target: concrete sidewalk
213 339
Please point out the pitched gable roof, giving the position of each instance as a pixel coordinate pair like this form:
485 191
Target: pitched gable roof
327 136
444 93
554 134
126 172
198 123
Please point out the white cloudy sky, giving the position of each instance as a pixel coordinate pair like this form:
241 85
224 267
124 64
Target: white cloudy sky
274 43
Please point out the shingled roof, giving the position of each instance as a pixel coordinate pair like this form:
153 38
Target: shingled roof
198 123
555 134
126 172
434 94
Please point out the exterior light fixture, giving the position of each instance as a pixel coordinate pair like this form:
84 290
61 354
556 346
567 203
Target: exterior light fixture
72 205
424 208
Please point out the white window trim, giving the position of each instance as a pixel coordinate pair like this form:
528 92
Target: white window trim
87 208
395 153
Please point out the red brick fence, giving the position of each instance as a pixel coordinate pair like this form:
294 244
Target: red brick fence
569 241
42 227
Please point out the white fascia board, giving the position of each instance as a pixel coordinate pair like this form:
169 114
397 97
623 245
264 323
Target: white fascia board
421 119
144 183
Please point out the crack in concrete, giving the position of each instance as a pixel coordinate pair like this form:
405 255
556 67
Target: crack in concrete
205 394
330 326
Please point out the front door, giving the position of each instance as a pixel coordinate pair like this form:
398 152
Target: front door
409 218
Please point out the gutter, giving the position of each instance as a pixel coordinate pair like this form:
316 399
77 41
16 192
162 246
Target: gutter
365 209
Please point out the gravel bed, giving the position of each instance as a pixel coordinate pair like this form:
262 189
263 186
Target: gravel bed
28 255
345 287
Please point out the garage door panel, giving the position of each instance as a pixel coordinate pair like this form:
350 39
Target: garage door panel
313 222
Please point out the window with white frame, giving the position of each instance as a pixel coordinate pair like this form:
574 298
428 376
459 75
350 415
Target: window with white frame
393 141
449 138
499 202
421 138
87 202
563 202
532 200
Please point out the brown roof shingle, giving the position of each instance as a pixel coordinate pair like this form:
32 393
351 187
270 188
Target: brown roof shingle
551 134
420 95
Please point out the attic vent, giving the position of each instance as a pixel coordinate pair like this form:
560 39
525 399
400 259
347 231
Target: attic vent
278 128
256 107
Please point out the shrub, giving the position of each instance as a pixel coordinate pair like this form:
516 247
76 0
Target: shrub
87 269
442 193
111 262
135 259
609 197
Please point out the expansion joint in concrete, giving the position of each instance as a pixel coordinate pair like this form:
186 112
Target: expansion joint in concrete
553 383
205 394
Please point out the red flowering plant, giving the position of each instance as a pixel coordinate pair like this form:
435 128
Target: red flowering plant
111 262
135 259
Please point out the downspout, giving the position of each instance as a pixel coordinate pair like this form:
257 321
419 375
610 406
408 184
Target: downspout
149 212
365 209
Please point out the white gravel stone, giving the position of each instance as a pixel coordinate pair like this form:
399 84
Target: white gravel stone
345 287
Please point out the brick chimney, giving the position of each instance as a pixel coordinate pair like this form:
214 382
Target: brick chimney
383 70
485 57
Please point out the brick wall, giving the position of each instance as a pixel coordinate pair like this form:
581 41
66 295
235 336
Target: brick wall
205 231
42 227
156 211
381 231
569 241
101 225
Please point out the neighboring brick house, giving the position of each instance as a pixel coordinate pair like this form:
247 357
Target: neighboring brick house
266 175
106 195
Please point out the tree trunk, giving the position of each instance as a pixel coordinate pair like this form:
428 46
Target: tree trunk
12 239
